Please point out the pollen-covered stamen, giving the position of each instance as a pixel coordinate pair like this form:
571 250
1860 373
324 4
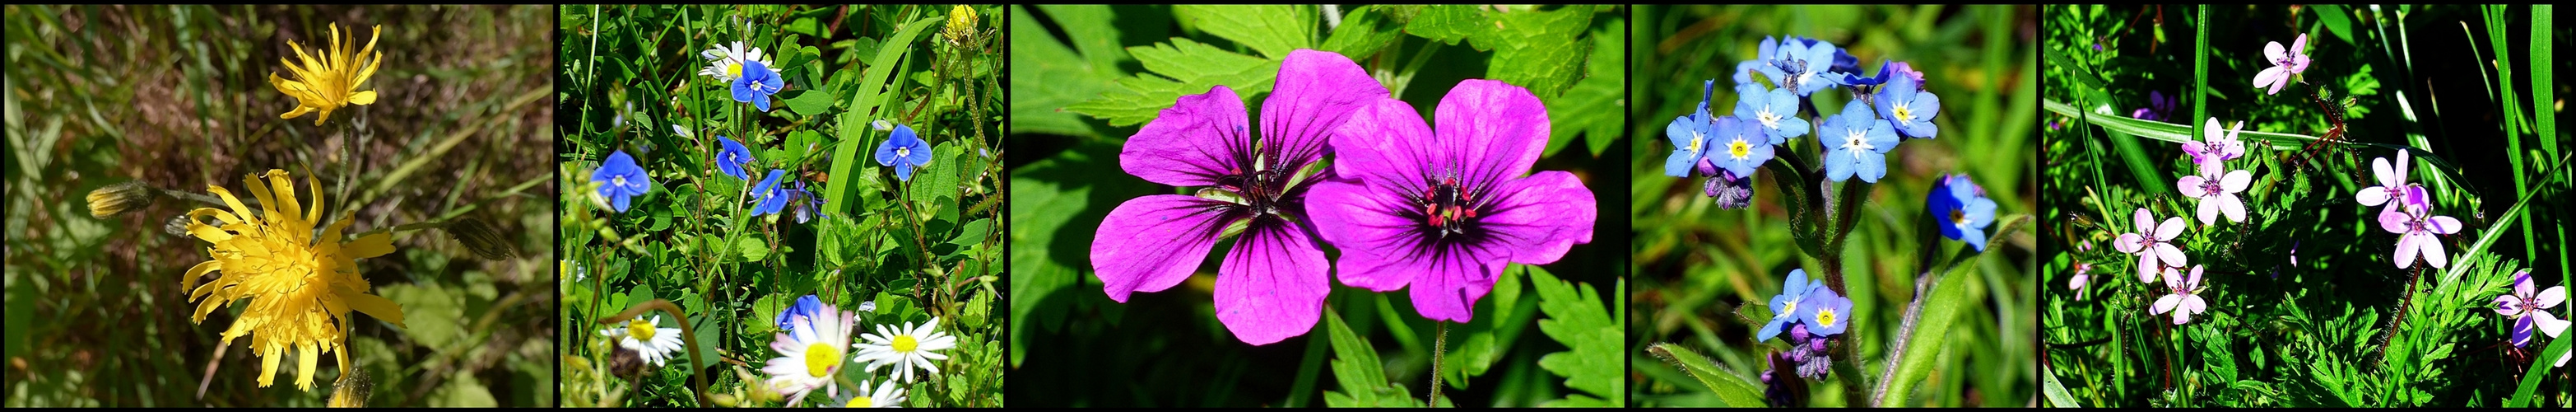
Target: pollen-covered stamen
1449 206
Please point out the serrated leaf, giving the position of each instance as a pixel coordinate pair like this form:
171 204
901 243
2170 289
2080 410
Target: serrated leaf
1731 389
1272 30
1595 107
1037 59
1355 366
1181 67
1577 318
1450 23
1363 33
1540 50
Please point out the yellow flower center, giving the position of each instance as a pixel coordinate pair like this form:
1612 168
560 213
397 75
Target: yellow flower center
639 329
1739 149
820 358
1787 310
1825 317
905 343
1904 115
1696 139
733 69
859 402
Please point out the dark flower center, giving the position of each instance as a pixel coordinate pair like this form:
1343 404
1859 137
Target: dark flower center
2212 187
1448 207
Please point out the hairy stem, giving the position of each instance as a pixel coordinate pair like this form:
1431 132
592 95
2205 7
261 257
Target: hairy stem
1438 350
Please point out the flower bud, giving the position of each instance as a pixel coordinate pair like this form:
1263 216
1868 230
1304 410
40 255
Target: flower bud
119 198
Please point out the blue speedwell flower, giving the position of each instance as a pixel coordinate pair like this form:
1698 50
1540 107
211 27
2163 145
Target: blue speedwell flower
620 180
1773 111
756 84
1962 209
1903 103
769 197
732 158
1785 306
803 202
1691 135
808 307
904 151
1858 142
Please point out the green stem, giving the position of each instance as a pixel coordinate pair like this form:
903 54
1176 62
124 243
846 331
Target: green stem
696 374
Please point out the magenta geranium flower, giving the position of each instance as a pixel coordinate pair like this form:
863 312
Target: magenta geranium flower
2153 241
1445 212
2284 63
2415 227
1272 284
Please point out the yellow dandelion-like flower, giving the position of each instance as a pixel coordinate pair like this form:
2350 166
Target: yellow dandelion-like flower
300 287
961 22
332 82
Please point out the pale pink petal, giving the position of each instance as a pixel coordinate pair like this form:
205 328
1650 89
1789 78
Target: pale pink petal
2372 196
2507 305
2182 317
2208 211
2431 248
2147 268
2299 54
2395 221
2228 203
2272 77
2387 178
2192 186
2172 255
2129 243
2173 278
2272 52
2405 255
2194 281
2165 304
2549 323
2552 297
2442 224
2146 223
2171 228
2236 181
2405 160
2193 304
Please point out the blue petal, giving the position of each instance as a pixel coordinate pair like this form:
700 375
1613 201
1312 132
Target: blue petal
1976 238
742 91
620 201
1881 135
1798 283
920 154
761 100
885 153
1872 166
1838 164
1770 330
903 171
1680 162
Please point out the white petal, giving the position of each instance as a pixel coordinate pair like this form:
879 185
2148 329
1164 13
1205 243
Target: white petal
2208 212
2431 249
2171 228
2236 181
2145 222
2172 255
2372 196
2234 207
2193 186
2379 168
2550 298
2549 323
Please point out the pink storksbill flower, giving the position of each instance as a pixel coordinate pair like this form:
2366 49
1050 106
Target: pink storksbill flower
2392 184
2185 299
2215 188
1446 211
1272 284
2527 309
2284 64
2152 241
2215 142
2416 227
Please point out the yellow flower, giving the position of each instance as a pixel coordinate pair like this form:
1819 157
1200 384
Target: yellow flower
330 83
300 288
961 22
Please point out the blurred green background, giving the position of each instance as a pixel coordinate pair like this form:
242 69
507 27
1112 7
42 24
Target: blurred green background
177 97
1090 76
1696 263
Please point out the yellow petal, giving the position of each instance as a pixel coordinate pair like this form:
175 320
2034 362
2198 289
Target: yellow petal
277 179
304 361
365 97
299 111
267 202
207 232
268 366
375 306
200 271
369 246
238 208
219 214
315 214
326 115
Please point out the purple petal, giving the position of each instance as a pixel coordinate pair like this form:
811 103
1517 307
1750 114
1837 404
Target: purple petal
2192 186
1272 284
2395 221
2552 297
1365 221
1387 144
1447 287
2372 196
2147 268
1192 143
1539 217
2128 243
2522 327
2522 284
1151 243
2166 304
2172 227
1315 93
2272 52
1503 127
2442 224
2507 305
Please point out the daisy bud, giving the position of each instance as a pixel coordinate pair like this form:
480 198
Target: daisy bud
119 198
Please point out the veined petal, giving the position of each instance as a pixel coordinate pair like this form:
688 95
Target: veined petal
1447 285
2193 186
1199 139
1387 143
1539 217
1367 222
1315 94
1151 243
1272 284
2442 224
1503 130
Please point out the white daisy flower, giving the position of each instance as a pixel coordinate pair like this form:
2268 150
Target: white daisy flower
809 352
655 344
912 347
886 395
725 63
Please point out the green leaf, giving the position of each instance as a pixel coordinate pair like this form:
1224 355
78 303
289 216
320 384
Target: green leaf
432 315
2540 364
1177 68
1356 367
767 308
868 104
1450 24
1940 310
1363 33
1592 108
751 248
2056 392
1730 388
1577 318
1272 30
462 391
811 102
973 233
1037 59
1539 49
934 185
